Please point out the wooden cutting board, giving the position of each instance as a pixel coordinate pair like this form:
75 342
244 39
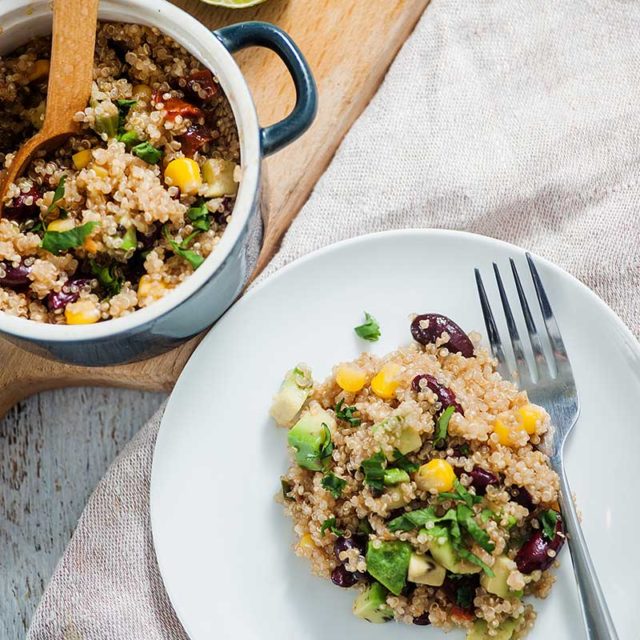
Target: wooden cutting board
349 45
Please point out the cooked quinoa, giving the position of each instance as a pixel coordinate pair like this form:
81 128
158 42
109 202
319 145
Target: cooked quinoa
416 478
127 209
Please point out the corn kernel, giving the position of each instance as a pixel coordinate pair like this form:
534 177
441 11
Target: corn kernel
82 312
100 171
436 475
529 415
150 290
385 382
142 92
350 378
185 174
306 542
82 159
61 224
39 70
507 436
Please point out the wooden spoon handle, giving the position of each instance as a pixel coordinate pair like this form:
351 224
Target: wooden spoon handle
72 61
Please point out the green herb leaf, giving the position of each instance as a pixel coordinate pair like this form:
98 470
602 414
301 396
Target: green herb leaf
466 520
548 520
370 329
130 139
395 476
464 449
465 554
199 217
286 489
373 469
364 526
465 591
461 493
58 194
109 276
330 525
412 520
442 428
193 258
57 241
486 515
402 462
333 484
327 447
347 414
124 106
147 152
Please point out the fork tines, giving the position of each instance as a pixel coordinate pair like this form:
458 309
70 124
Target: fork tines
538 369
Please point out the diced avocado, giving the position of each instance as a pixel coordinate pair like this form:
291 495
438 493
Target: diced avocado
479 630
444 553
219 176
388 563
311 438
404 438
293 393
395 476
108 121
129 240
424 570
397 499
371 605
497 584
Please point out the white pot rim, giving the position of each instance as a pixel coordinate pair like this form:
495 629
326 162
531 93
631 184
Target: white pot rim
201 43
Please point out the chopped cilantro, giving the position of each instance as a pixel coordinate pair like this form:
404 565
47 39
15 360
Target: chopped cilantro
199 217
147 152
548 520
327 446
466 520
193 258
330 524
402 462
58 194
373 468
347 414
461 494
333 484
486 515
130 139
286 489
109 276
365 527
57 241
442 428
369 329
124 106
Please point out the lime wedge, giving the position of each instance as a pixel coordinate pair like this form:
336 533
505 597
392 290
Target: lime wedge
234 4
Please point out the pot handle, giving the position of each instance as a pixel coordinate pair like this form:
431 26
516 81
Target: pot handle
265 34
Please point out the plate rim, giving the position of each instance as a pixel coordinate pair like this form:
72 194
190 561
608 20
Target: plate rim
631 339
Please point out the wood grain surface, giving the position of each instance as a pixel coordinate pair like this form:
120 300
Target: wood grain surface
349 45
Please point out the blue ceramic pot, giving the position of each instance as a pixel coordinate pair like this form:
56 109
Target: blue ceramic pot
205 296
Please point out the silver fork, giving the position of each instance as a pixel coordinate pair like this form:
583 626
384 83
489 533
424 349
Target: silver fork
555 390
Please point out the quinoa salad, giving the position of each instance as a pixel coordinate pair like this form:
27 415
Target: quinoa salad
417 479
135 202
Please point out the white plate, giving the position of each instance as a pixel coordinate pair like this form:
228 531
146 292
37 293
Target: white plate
222 542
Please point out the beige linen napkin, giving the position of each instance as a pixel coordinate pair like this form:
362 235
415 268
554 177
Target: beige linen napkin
518 119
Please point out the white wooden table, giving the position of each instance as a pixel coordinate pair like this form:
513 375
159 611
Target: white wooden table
54 448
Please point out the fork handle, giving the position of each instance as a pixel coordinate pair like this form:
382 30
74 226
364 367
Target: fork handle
595 612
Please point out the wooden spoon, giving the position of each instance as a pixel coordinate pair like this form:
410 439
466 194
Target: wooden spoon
70 78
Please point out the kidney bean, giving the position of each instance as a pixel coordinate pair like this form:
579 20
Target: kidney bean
481 479
346 544
194 139
69 293
437 325
341 577
202 84
422 620
534 553
14 276
522 497
446 397
20 210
